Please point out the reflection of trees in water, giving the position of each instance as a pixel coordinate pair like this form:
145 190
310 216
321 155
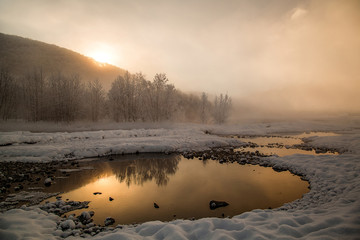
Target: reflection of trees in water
139 171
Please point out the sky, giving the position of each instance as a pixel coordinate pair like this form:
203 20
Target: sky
291 54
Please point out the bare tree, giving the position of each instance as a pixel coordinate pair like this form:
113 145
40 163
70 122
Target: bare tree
204 108
64 95
8 89
116 99
34 88
95 96
161 96
132 97
222 106
155 93
122 98
140 98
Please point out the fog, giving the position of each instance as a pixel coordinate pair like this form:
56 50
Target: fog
276 57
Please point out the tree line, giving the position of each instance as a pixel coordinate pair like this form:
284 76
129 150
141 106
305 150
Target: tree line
60 97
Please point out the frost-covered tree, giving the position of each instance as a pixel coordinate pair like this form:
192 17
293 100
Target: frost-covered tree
161 98
140 99
64 97
8 90
188 107
95 99
204 108
122 98
221 110
61 97
115 98
34 95
156 96
133 98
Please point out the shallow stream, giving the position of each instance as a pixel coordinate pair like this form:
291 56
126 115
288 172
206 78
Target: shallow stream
284 145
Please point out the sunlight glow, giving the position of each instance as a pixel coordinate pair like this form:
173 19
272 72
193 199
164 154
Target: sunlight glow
101 56
104 181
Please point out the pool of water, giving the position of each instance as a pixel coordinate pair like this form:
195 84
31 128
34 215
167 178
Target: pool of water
181 187
283 145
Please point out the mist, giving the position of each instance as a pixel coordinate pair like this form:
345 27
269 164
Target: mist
271 57
312 63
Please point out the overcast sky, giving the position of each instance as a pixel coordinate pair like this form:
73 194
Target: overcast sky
306 51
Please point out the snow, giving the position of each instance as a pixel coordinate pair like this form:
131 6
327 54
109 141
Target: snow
331 210
60 146
27 224
67 224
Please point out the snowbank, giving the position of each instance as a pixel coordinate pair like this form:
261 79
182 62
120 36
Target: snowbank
331 210
43 147
27 224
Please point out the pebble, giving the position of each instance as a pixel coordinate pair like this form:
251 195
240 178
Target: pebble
48 182
108 221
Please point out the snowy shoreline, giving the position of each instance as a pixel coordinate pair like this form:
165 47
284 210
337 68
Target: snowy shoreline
330 210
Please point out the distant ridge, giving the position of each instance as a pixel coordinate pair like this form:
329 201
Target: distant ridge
21 55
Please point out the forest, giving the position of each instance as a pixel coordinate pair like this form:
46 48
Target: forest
59 97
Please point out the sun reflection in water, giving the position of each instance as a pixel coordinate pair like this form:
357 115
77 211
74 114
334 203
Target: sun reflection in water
182 188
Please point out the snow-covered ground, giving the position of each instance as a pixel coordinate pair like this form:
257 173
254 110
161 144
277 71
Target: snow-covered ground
42 147
331 210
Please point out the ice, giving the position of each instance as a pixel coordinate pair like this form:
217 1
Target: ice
330 210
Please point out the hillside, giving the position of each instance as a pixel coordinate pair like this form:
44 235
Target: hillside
20 55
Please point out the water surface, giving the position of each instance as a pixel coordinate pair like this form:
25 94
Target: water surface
283 145
181 187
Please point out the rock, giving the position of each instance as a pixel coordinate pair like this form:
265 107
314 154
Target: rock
97 193
85 217
90 226
156 206
108 221
59 203
67 224
48 182
216 204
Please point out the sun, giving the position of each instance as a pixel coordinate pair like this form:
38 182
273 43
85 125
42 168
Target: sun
101 56
103 53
